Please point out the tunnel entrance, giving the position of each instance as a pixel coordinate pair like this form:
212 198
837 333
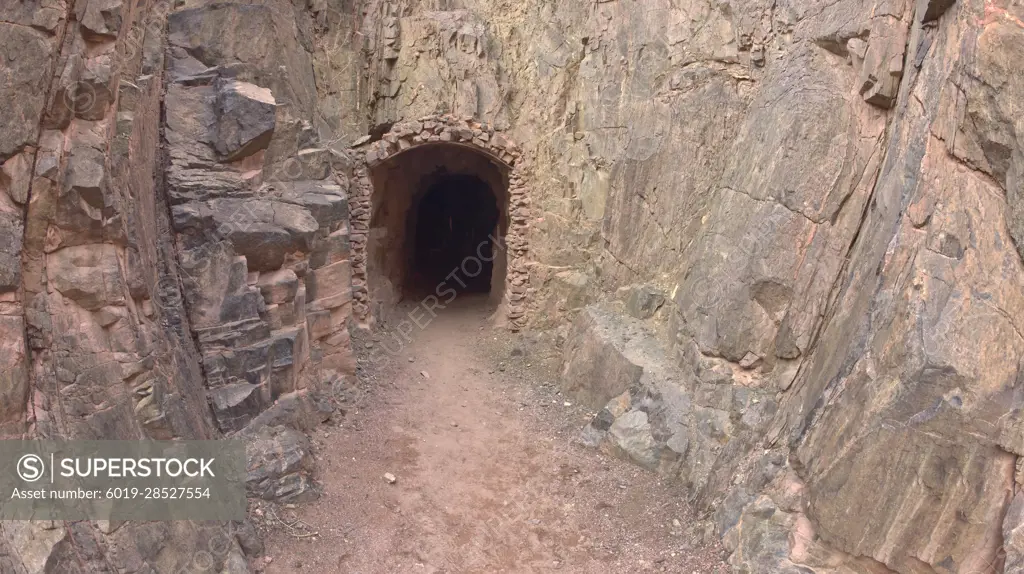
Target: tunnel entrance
453 227
439 217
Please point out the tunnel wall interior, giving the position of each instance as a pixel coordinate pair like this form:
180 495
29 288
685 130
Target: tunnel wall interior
404 175
418 181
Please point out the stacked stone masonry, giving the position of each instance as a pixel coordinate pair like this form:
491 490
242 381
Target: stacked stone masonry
451 130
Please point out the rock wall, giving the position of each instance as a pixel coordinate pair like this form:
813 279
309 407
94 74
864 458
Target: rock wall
258 205
791 228
175 249
826 195
94 345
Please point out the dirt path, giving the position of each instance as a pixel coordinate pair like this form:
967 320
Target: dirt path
488 478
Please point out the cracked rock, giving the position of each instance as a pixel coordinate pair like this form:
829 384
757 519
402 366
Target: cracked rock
245 120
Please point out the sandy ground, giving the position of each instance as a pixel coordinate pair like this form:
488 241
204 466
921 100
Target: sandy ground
488 476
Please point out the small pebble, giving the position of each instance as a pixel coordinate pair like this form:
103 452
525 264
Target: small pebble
390 478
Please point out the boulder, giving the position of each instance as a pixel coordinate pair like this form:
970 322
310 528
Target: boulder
665 418
248 537
279 461
763 532
631 434
234 405
246 116
594 368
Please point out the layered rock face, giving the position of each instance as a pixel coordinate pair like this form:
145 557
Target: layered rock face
175 254
827 198
786 235
253 195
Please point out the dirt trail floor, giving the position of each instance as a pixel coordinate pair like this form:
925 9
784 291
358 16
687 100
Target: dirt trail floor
488 477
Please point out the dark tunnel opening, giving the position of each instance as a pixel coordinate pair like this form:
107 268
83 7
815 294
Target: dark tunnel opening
438 225
452 225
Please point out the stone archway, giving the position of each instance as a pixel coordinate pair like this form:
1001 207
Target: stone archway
449 135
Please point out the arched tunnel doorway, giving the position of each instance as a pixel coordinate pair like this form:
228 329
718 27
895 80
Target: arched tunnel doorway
439 213
452 230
